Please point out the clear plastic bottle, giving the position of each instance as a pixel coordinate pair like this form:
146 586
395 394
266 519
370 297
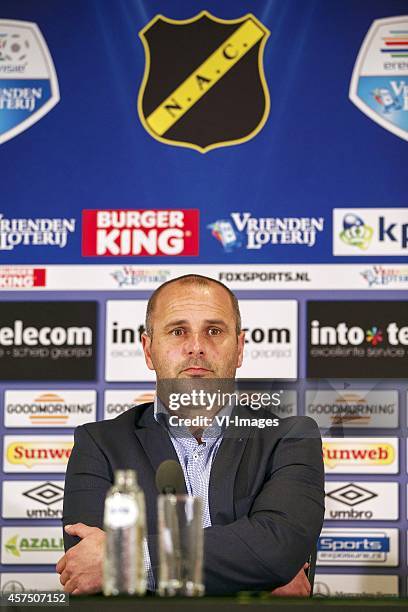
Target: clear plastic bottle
125 526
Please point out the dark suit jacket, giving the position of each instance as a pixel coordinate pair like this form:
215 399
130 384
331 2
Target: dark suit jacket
266 492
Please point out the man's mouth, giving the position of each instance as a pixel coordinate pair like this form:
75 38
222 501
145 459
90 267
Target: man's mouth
196 371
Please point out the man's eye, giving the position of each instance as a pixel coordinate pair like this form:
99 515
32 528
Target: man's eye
177 332
214 331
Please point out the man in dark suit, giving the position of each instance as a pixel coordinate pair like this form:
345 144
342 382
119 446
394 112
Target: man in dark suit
264 491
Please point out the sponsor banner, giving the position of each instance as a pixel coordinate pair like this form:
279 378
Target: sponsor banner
243 231
48 340
360 339
28 81
270 345
353 408
119 401
379 84
370 231
355 585
360 455
32 499
31 545
353 547
36 453
262 276
124 359
32 232
361 501
22 278
138 277
390 277
123 233
49 408
21 582
271 339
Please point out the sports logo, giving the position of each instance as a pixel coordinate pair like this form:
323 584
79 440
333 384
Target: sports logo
351 494
360 501
358 547
196 71
28 81
379 84
32 499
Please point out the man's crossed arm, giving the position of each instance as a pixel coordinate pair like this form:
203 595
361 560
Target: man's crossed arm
80 568
265 550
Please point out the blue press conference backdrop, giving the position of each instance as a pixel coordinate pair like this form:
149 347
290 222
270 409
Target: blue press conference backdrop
312 181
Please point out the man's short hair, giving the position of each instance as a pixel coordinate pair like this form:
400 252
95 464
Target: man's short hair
190 279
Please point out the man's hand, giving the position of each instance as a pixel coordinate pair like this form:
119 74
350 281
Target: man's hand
81 566
299 586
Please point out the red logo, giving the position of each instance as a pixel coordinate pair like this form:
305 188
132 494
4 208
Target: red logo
126 233
24 278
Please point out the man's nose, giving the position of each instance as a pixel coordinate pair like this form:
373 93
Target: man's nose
195 344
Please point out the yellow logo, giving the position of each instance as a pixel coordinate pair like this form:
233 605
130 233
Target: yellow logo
39 453
204 85
355 453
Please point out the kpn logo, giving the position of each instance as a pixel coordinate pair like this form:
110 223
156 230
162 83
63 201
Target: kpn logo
370 231
355 232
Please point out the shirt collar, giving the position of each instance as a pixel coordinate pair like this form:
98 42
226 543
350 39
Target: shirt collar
212 432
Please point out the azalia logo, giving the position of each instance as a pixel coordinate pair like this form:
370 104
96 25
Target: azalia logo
374 336
16 547
355 232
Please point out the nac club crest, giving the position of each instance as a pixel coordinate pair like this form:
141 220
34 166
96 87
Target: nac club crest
204 85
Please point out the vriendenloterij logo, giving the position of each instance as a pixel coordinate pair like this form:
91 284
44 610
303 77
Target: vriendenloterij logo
379 84
198 69
28 81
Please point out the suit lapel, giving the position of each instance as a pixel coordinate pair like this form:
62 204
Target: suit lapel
223 473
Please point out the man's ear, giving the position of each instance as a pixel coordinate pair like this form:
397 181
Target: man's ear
146 344
241 345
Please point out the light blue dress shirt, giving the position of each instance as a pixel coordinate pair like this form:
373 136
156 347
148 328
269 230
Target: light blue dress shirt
195 459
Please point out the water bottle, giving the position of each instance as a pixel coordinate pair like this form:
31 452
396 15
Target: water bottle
125 527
